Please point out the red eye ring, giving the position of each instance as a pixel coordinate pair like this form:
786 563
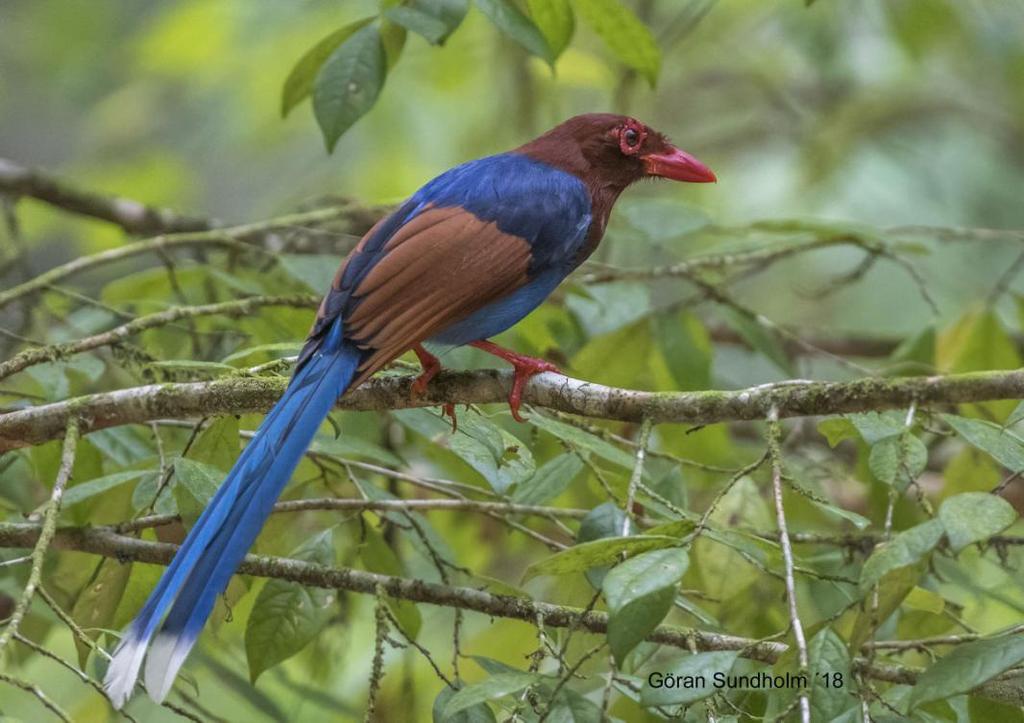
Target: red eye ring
631 137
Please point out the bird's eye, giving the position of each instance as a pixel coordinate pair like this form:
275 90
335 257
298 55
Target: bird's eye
631 137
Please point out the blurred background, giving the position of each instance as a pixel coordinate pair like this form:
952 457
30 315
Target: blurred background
875 118
884 113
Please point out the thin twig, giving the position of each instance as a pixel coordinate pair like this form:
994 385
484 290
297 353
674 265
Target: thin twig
82 675
231 309
774 436
38 693
377 671
46 533
333 503
637 475
106 542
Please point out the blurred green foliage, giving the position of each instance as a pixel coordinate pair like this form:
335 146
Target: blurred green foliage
872 116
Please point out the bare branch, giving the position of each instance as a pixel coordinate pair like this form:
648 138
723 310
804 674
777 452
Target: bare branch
235 238
232 309
38 693
775 453
46 533
333 503
637 475
132 216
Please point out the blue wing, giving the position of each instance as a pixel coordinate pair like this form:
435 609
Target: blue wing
524 200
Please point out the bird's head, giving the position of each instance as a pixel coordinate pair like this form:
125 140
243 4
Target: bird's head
615 150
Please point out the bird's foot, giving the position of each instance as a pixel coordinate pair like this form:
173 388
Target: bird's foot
525 367
431 366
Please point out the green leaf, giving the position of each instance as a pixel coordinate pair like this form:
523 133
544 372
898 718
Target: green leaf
1016 415
599 552
196 484
837 429
316 271
349 447
893 588
695 671
571 707
686 347
497 686
986 709
377 556
286 615
975 516
425 540
479 713
556 22
392 39
97 603
859 521
410 17
299 83
549 481
906 548
449 12
277 350
876 426
499 456
603 521
641 575
916 353
581 439
897 461
86 490
348 84
624 34
639 593
1003 445
760 339
828 656
143 579
619 307
509 20
924 600
968 666
978 341
145 490
217 445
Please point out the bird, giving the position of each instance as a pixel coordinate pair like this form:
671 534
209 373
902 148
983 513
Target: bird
467 256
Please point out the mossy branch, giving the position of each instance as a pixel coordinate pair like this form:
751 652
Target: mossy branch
1008 687
238 395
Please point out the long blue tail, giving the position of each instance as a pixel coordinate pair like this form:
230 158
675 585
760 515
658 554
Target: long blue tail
173 616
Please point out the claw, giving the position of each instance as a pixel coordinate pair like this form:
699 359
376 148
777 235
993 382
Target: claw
431 366
525 367
448 410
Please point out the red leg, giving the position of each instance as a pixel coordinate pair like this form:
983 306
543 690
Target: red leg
431 366
525 367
